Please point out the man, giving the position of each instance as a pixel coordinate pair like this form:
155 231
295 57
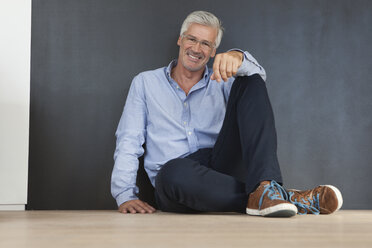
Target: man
210 145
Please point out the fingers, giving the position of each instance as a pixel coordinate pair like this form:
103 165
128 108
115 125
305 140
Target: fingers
145 208
229 69
132 210
216 68
150 207
140 209
223 69
226 65
136 206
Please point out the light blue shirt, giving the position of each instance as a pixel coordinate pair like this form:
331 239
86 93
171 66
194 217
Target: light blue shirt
172 124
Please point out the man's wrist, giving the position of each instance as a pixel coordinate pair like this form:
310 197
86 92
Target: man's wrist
127 195
241 55
239 52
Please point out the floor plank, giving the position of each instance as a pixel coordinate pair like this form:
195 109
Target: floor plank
345 228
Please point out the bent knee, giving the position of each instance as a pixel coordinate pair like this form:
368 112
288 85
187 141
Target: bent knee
172 172
253 83
250 89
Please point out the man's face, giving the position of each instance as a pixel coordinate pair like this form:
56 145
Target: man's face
194 57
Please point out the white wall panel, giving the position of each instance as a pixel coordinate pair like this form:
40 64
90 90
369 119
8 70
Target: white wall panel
15 43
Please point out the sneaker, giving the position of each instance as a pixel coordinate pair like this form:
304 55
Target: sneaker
324 199
271 200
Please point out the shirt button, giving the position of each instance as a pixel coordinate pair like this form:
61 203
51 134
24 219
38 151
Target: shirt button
184 123
185 104
190 133
178 87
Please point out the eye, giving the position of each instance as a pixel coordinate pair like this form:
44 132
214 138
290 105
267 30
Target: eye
206 44
192 39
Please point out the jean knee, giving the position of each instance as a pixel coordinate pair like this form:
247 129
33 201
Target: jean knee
253 84
252 90
171 172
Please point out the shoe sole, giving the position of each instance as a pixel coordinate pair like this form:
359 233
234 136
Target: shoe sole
340 201
280 210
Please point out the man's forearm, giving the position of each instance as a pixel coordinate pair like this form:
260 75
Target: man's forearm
130 136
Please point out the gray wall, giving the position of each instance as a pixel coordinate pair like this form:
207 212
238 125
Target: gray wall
85 53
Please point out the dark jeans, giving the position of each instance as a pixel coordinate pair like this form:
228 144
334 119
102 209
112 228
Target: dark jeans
219 179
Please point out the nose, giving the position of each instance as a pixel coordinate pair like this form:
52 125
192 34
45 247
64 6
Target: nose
197 47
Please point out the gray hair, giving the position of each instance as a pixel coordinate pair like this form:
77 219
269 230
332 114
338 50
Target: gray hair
204 18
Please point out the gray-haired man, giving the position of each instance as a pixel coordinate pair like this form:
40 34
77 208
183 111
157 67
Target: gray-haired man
210 145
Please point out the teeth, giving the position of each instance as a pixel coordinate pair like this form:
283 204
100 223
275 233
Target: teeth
193 57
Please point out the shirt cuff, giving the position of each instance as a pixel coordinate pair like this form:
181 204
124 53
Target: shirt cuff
249 65
127 195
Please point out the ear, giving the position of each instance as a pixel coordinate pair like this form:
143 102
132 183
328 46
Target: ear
179 41
213 52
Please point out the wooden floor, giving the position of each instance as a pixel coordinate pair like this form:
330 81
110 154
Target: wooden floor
111 229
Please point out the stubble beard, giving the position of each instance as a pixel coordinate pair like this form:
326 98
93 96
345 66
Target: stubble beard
194 69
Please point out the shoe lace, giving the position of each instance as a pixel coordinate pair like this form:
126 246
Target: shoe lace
274 191
311 204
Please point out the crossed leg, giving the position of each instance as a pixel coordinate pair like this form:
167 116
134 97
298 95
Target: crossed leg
220 179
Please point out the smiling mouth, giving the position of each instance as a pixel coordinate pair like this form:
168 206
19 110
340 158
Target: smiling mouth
194 58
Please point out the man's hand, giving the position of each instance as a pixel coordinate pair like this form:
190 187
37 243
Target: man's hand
136 206
226 65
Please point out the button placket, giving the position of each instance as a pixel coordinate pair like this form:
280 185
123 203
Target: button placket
185 121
